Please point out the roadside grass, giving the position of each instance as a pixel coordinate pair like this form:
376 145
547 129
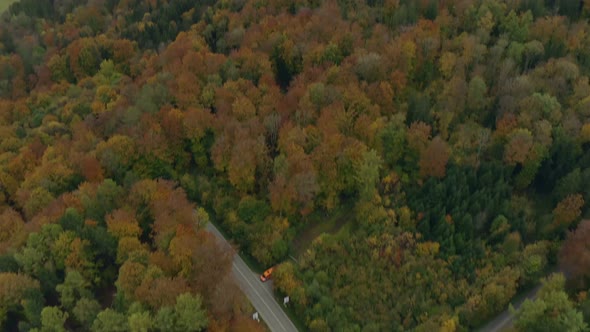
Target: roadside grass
262 322
252 263
4 4
290 313
345 230
249 260
258 268
338 223
318 224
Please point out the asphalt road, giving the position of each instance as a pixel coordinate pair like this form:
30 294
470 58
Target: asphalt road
504 320
259 293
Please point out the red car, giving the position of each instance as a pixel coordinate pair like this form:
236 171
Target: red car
267 274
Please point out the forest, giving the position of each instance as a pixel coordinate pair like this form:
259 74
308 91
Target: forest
445 145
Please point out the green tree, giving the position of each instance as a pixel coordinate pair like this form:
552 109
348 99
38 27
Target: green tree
570 184
534 261
551 311
477 95
517 27
140 322
287 61
165 319
37 258
33 303
53 319
367 174
38 199
190 314
393 141
110 321
86 311
14 289
72 289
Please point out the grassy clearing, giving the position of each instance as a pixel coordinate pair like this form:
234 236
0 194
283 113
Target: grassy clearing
4 4
338 223
319 224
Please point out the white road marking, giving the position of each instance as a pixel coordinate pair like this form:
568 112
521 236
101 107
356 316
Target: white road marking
259 296
235 264
501 324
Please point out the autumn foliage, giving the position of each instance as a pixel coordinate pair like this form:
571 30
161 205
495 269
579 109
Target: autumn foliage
420 158
575 254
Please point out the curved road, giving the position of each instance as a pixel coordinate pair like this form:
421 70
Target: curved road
504 320
259 293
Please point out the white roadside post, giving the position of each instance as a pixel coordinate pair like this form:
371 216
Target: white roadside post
286 300
255 317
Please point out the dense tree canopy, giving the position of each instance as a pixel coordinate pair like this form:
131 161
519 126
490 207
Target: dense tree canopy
422 158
